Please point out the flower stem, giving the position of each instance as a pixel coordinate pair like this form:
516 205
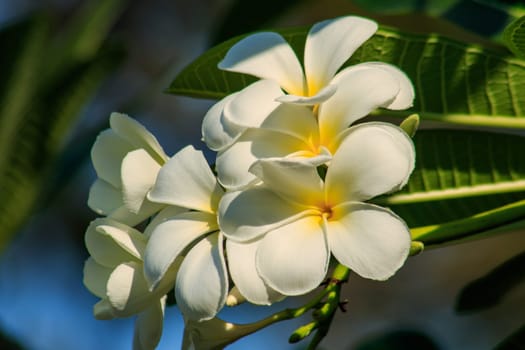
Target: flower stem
323 315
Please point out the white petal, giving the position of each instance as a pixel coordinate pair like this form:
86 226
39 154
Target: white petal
103 310
321 96
370 240
251 106
373 159
186 180
127 290
96 277
138 172
293 259
245 215
148 326
170 238
137 135
107 153
294 180
125 216
361 89
266 55
405 96
111 243
241 263
233 163
217 131
165 214
329 44
202 283
104 198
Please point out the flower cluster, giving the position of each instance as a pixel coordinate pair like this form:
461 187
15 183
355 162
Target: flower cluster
294 174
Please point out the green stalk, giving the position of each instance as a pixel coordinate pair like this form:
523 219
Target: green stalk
476 224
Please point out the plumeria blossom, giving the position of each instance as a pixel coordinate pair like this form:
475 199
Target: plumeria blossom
295 221
275 130
126 158
114 273
201 285
253 123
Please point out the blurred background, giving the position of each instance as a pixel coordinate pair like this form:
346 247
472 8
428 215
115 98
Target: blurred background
94 57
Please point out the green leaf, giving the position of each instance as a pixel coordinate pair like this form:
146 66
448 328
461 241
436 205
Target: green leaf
454 82
37 108
514 37
460 173
490 289
514 342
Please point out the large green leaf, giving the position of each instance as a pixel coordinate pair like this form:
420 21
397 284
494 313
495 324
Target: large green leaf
455 82
458 174
39 103
514 37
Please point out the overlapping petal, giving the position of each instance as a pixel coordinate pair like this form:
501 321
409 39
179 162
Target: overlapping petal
233 163
107 154
138 173
217 131
170 238
243 271
96 277
110 242
293 258
202 283
268 56
374 158
370 240
148 326
186 180
361 89
329 44
245 215
137 135
104 198
296 181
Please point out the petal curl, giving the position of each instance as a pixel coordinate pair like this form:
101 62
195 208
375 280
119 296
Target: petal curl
111 243
241 262
217 131
268 56
368 239
103 198
148 326
374 158
96 277
107 153
170 238
233 163
360 89
405 97
202 283
293 259
296 181
138 173
187 181
329 44
245 215
137 135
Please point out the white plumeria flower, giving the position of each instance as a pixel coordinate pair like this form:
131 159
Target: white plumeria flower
114 273
275 130
214 334
253 123
296 221
126 158
201 285
328 45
